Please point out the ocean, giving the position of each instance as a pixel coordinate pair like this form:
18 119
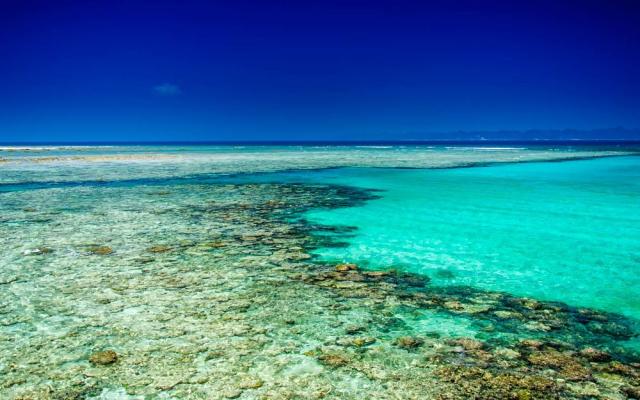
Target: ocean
382 270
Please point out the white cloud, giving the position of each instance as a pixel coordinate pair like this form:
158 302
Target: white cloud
167 89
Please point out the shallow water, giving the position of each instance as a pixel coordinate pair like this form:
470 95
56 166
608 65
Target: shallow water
116 163
555 231
200 277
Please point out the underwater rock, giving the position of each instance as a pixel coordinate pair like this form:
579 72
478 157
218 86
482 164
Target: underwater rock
251 383
475 308
353 329
595 355
504 314
363 341
167 383
346 267
273 203
249 238
620 368
479 383
216 245
298 256
568 366
100 250
260 330
159 249
333 359
106 357
632 391
586 389
610 328
537 326
6 281
592 315
531 304
488 327
445 274
536 344
467 344
412 280
377 274
507 353
453 305
549 358
409 342
232 393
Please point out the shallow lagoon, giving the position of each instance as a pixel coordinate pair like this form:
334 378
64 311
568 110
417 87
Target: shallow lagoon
554 231
205 286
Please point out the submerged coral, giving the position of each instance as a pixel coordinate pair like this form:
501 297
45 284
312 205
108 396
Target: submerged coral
104 357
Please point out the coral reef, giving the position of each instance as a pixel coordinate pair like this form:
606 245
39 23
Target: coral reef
234 306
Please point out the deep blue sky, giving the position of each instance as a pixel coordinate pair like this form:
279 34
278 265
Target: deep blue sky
233 70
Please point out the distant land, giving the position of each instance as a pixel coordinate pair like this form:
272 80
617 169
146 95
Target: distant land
536 134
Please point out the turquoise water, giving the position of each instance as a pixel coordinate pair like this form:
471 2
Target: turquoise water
566 232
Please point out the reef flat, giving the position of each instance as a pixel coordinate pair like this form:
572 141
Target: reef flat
196 288
111 163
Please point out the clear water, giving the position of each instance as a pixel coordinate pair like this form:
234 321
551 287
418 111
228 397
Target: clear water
567 232
190 264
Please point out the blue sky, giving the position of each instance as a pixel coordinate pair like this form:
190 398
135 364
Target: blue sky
238 70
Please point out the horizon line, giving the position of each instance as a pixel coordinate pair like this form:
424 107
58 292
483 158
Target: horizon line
316 141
